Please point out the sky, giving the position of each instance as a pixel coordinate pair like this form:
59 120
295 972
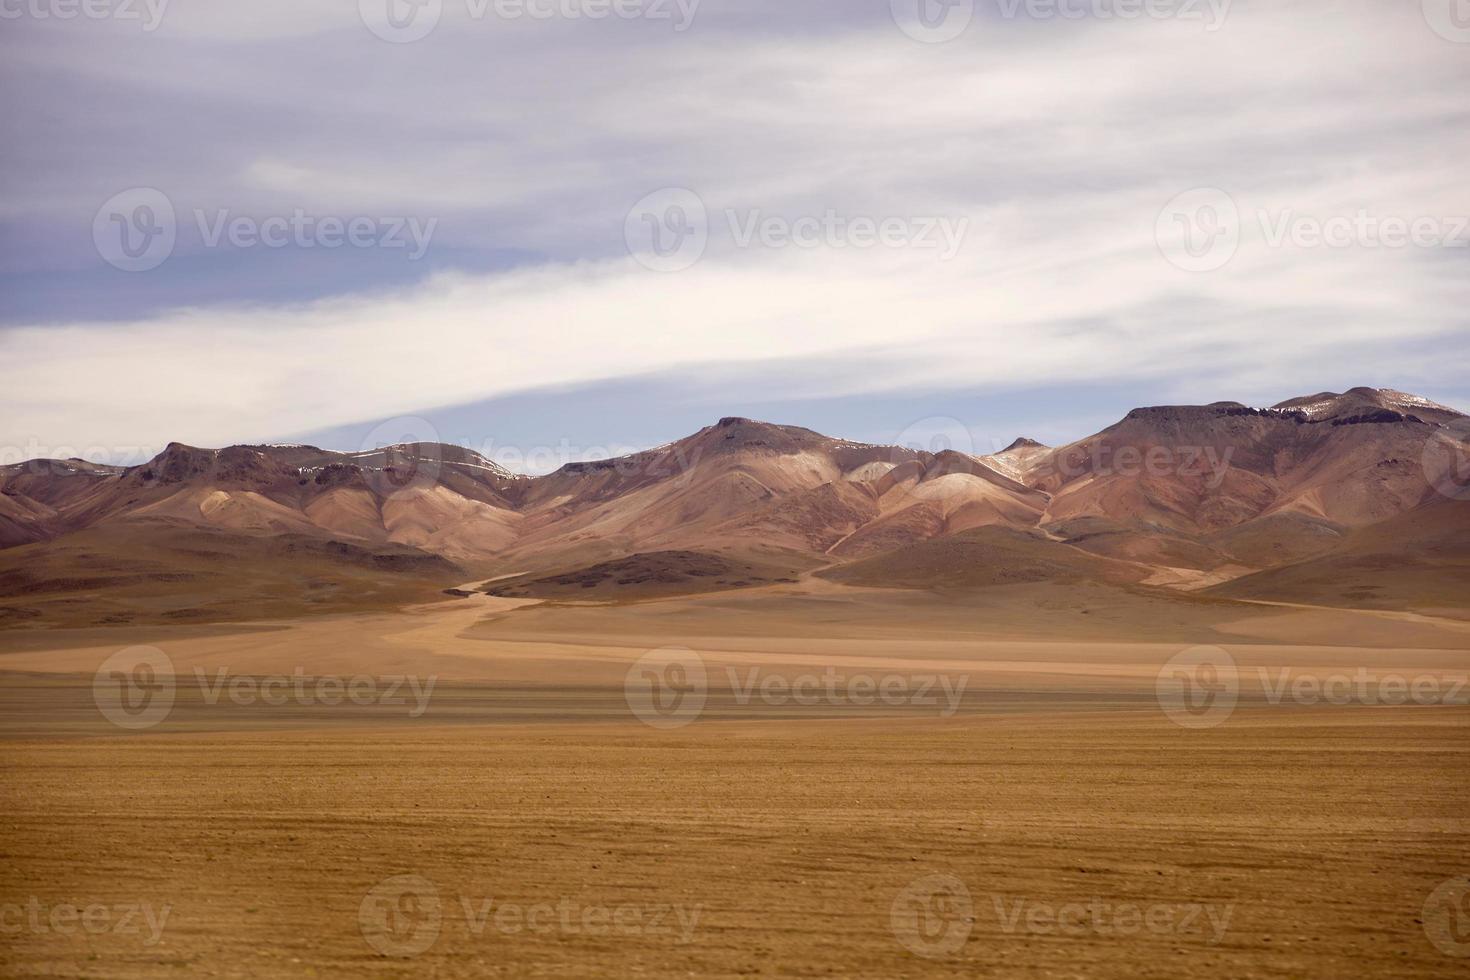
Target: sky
560 228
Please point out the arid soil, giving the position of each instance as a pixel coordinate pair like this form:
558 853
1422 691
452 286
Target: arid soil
1054 823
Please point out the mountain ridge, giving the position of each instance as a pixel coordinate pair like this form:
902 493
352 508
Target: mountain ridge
1186 495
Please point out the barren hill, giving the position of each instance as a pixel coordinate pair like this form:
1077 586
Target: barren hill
1233 500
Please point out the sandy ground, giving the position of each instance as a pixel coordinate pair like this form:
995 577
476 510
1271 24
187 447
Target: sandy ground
1055 823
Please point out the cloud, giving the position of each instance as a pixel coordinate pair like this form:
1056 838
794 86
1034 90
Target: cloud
1058 142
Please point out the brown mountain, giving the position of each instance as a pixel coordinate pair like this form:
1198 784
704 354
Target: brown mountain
1239 501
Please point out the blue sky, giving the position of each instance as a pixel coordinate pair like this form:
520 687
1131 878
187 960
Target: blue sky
508 174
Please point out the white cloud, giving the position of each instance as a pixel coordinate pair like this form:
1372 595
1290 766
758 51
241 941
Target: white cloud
1059 142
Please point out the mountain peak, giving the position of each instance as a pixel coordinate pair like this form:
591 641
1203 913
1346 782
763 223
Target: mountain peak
1342 459
1362 400
735 432
177 463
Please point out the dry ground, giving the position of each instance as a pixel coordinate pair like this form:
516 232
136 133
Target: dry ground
1289 841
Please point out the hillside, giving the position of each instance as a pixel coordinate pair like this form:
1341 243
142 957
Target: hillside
1305 500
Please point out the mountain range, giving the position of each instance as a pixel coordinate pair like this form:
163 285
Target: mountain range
1356 498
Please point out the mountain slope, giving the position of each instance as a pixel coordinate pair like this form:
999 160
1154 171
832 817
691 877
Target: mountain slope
1221 498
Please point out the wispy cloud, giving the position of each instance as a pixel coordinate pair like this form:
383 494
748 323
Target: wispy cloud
1057 142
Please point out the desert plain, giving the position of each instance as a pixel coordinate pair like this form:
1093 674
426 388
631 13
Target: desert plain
1022 804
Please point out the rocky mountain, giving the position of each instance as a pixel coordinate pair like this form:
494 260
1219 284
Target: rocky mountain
1214 497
